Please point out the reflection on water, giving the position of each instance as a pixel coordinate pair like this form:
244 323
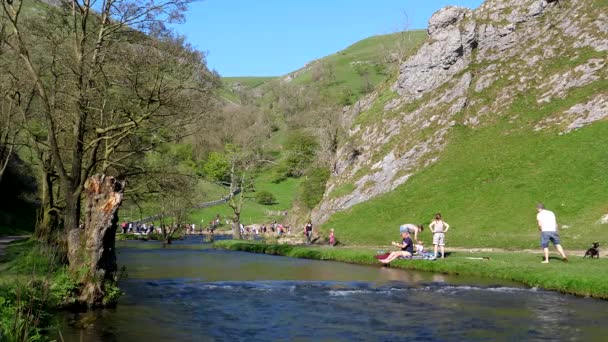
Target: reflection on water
188 292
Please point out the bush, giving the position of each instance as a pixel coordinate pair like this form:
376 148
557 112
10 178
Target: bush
312 188
265 198
217 167
301 151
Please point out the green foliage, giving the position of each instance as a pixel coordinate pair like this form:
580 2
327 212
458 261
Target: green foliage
19 314
33 283
254 212
265 197
217 167
63 287
300 152
112 294
313 186
342 190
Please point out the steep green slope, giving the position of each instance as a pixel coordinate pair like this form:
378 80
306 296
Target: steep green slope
232 87
517 124
486 184
361 66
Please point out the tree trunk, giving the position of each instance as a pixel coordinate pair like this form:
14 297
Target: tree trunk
92 248
49 220
236 230
73 229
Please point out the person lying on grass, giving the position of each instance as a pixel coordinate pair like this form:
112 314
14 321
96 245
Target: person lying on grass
406 245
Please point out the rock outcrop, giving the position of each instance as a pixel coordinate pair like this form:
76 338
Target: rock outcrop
452 38
472 68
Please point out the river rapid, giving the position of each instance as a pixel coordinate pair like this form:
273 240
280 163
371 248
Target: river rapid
191 292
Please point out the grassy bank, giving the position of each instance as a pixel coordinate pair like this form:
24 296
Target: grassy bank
580 277
33 285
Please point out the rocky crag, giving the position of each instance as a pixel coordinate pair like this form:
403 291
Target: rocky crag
472 68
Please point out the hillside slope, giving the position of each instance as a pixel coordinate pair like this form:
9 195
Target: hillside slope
502 107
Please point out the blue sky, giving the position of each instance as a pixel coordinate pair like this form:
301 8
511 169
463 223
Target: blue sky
274 37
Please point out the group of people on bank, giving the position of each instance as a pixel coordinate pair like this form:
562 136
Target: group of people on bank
547 226
438 227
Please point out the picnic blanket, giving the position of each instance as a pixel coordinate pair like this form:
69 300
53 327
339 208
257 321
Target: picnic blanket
423 256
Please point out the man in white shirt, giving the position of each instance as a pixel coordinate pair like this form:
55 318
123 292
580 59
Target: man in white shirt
547 225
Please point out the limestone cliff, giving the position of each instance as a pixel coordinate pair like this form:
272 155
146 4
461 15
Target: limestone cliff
471 69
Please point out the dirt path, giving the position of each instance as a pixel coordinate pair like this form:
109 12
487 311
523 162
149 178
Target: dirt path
5 240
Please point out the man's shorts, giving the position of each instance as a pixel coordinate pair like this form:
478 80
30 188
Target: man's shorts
438 239
545 237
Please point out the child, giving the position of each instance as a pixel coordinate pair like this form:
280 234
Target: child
419 247
332 238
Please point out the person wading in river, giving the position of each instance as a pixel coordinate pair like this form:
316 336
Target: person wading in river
547 225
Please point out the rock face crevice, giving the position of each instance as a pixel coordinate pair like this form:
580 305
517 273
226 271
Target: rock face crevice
452 38
472 68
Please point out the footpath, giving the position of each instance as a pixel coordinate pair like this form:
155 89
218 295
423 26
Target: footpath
6 240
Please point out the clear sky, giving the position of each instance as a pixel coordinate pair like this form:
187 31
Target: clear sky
275 37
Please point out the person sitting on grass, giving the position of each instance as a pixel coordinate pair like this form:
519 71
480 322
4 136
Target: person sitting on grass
406 245
419 247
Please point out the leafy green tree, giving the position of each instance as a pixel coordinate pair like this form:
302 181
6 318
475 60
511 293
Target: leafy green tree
312 188
301 150
217 167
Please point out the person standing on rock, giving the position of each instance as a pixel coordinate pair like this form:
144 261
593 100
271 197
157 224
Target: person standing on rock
439 228
412 229
547 225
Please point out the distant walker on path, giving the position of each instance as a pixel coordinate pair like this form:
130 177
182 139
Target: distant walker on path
547 225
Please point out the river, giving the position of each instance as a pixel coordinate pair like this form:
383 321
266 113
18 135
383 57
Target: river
191 292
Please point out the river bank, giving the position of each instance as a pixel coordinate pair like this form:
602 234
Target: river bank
34 285
581 277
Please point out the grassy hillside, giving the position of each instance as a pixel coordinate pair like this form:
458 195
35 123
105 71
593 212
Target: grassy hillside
232 86
488 180
254 212
369 59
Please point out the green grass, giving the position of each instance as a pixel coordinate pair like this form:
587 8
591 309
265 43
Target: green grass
579 276
33 285
342 190
369 53
488 180
247 81
254 212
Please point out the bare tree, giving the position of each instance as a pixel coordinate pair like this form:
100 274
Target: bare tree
395 53
107 93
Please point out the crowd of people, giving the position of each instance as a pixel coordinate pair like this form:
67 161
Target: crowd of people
408 247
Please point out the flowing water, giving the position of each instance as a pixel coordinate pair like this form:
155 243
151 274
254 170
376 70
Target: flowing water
190 292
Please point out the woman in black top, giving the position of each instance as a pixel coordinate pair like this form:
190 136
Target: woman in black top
308 231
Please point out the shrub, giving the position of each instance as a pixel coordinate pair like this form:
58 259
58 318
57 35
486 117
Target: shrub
265 198
312 188
301 151
217 167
